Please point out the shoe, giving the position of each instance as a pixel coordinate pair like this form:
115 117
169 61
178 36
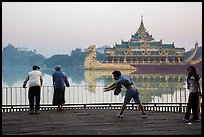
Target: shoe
120 116
37 112
186 120
31 112
61 109
144 116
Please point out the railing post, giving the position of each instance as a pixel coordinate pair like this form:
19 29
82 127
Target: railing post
180 107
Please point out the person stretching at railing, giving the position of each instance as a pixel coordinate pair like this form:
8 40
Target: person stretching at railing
35 82
132 91
60 80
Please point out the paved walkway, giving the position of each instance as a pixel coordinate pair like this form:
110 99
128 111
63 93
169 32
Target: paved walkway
97 122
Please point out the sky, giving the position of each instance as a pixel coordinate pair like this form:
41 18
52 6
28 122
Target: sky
53 28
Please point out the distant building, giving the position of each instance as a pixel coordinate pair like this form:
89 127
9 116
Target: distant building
143 53
142 48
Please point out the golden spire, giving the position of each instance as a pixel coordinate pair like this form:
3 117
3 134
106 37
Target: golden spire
141 27
142 18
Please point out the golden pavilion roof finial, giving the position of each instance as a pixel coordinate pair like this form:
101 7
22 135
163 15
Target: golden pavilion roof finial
142 18
141 29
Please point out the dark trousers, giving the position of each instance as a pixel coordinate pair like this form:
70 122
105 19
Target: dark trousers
34 96
192 105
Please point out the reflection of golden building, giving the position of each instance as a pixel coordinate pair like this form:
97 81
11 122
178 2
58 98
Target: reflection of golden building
90 76
159 80
141 80
148 84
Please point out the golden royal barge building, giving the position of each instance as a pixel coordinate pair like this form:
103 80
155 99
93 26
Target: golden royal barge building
140 52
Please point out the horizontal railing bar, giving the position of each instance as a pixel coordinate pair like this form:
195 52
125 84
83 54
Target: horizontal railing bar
79 96
180 107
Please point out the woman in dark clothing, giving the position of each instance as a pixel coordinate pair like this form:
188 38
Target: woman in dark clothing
60 80
194 92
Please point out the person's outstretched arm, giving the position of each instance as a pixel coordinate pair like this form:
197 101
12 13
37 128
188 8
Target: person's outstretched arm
25 81
66 81
111 87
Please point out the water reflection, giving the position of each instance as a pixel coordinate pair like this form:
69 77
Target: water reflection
14 76
150 85
105 76
76 75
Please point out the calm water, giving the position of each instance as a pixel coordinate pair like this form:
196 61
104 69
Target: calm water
152 86
14 77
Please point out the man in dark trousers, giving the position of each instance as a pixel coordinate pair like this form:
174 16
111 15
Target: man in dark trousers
35 82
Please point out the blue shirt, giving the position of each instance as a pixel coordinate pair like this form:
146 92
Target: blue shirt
60 80
124 80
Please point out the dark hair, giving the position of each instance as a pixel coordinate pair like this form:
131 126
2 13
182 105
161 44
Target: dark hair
116 73
36 67
193 73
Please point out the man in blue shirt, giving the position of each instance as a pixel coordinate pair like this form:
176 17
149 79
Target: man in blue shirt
60 80
132 91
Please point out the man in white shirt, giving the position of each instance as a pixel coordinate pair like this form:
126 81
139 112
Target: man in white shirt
35 82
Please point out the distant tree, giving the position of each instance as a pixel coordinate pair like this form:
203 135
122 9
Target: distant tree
77 57
54 60
7 59
20 56
36 59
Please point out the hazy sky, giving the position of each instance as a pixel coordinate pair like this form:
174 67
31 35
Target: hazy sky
58 27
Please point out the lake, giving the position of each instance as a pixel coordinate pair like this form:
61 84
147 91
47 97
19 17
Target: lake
90 83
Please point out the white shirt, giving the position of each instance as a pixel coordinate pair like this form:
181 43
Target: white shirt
192 86
34 77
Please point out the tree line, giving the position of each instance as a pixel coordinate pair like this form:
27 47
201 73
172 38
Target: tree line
12 56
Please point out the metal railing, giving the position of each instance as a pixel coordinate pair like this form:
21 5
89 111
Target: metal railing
89 97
